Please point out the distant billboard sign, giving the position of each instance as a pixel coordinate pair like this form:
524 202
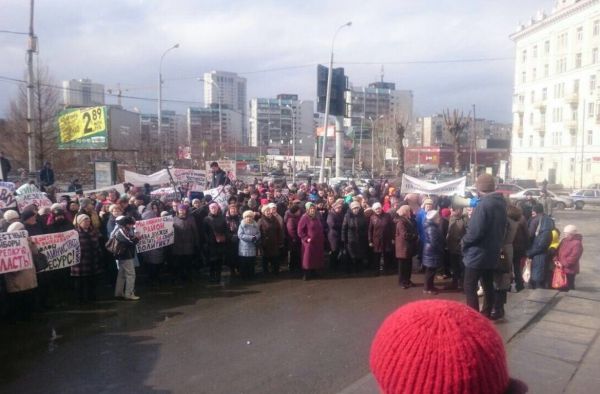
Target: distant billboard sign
83 128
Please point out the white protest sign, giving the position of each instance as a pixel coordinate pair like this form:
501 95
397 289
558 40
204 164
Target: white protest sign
184 175
218 195
15 254
39 199
7 195
158 178
450 188
118 187
61 249
154 233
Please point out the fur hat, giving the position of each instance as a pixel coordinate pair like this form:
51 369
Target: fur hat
570 229
11 215
16 226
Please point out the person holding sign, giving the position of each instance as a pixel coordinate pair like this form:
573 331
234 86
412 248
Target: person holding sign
85 273
21 285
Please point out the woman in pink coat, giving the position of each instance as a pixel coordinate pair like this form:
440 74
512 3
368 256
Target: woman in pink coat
568 254
311 233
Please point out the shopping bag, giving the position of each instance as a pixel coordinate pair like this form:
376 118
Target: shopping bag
527 271
559 278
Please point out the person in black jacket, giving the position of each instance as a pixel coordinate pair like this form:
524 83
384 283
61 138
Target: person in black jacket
218 178
5 167
46 175
482 243
355 237
124 233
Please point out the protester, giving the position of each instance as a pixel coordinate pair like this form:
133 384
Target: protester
215 234
457 228
5 167
440 347
482 243
568 254
406 244
218 176
381 239
310 231
354 237
504 270
271 234
433 250
20 285
249 237
335 219
520 245
233 220
10 216
538 252
85 273
46 175
153 259
124 234
291 219
187 243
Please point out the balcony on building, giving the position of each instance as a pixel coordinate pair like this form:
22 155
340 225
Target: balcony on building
572 99
540 106
539 128
572 126
518 107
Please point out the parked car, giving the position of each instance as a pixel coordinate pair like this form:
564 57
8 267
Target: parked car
559 202
525 183
585 197
508 188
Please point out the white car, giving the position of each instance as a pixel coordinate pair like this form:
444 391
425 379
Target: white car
559 202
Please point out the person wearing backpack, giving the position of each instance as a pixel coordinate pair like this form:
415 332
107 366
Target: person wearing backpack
125 254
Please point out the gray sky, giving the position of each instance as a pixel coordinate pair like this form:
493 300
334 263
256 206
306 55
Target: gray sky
275 45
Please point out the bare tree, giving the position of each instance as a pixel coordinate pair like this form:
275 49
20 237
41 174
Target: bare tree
456 124
46 104
400 129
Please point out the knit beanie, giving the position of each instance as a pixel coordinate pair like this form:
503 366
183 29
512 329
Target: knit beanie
16 226
439 346
569 229
11 215
485 183
81 218
376 205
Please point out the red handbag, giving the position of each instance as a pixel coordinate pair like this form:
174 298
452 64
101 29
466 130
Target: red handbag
559 278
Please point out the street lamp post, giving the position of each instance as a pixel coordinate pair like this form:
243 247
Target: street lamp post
220 114
327 98
293 143
160 82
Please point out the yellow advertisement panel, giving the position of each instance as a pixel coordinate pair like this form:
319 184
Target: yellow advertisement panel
81 123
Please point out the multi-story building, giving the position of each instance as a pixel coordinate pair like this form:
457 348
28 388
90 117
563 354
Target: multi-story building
204 131
432 131
374 108
273 122
231 93
82 93
556 120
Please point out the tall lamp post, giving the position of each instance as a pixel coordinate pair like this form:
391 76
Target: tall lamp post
293 143
160 82
220 114
327 98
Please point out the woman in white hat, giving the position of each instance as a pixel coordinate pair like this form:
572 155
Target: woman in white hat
568 254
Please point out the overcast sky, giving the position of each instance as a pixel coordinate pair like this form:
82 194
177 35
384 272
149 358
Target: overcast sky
276 46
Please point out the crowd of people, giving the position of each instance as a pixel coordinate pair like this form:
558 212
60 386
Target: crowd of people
306 229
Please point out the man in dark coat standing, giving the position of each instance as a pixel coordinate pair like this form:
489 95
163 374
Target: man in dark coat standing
4 167
218 177
47 175
482 243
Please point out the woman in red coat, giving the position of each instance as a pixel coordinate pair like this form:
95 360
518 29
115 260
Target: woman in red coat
568 254
310 231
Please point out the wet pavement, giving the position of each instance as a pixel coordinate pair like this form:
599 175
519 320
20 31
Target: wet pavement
278 335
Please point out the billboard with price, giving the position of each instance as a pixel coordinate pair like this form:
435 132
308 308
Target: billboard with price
83 128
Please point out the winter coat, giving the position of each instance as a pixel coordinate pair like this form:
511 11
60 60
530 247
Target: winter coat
249 236
90 254
111 225
457 228
381 232
22 280
154 256
538 252
186 236
485 233
354 235
569 252
218 178
334 235
59 226
521 241
126 237
406 239
271 235
213 226
433 245
503 273
291 230
310 228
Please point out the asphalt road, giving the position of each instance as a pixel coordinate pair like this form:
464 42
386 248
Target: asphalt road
269 336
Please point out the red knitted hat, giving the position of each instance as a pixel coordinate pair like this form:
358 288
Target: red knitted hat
438 346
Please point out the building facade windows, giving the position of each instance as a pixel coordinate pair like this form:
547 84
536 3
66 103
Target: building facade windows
577 60
529 163
594 55
596 29
592 83
590 137
588 165
541 164
571 164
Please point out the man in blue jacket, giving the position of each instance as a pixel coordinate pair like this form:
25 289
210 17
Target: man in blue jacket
482 244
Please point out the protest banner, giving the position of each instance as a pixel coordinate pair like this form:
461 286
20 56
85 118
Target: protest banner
450 188
15 254
188 175
158 178
166 193
226 165
39 199
61 249
154 233
219 196
118 187
7 195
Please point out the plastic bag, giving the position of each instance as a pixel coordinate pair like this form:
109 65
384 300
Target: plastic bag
559 278
527 271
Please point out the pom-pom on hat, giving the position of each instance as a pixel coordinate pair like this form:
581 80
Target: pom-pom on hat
440 346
